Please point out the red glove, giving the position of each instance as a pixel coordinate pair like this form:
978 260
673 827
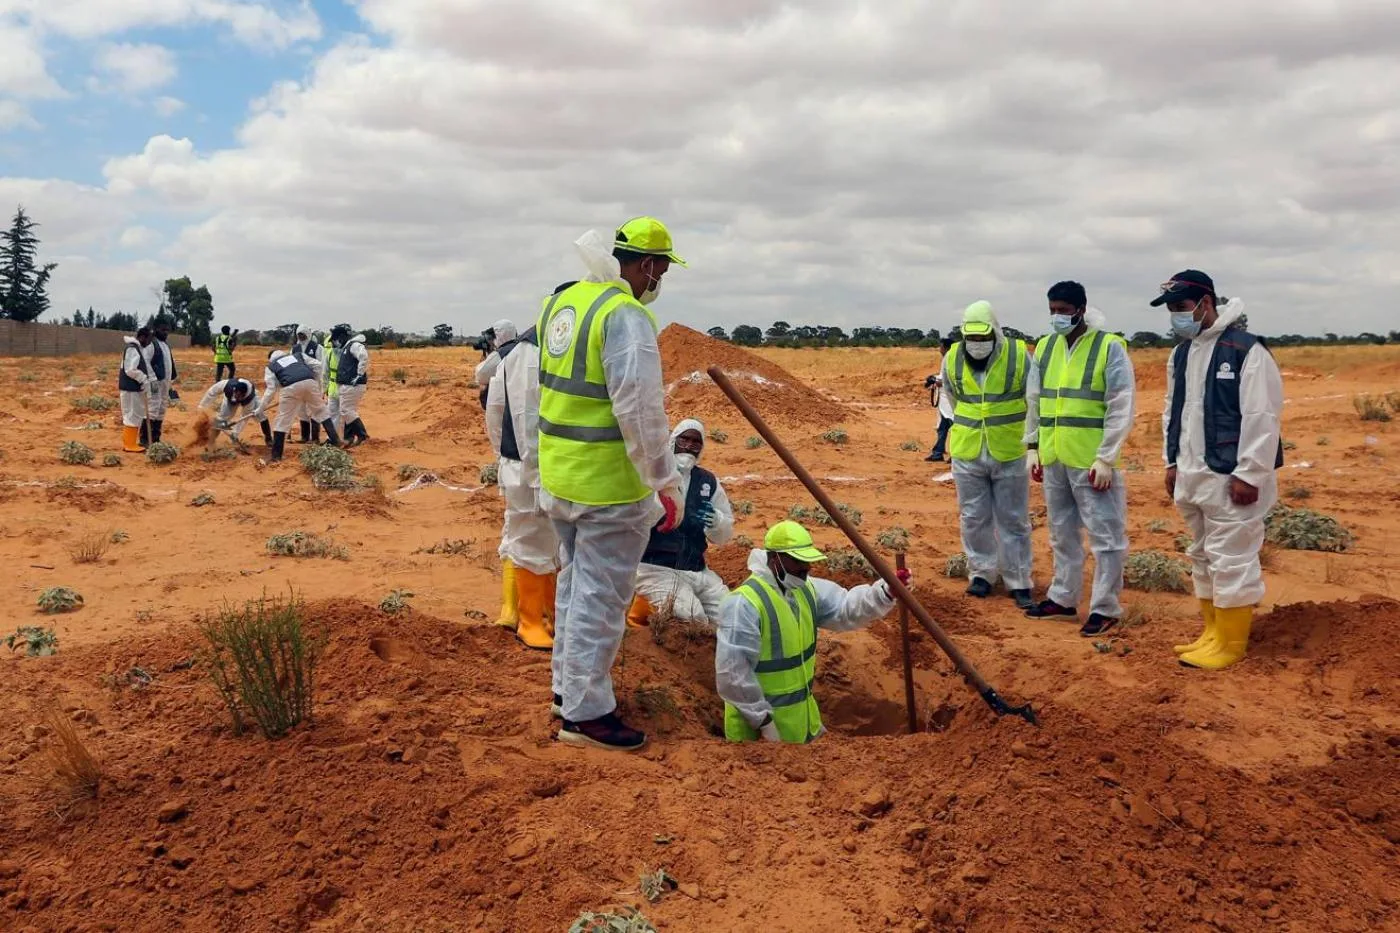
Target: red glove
675 509
904 575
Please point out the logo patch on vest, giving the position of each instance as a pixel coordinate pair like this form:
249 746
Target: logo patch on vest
705 490
561 332
1225 372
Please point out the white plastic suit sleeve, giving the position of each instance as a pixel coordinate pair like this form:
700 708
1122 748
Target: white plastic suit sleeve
632 368
841 610
722 531
1120 391
1032 435
1261 401
495 410
270 389
1167 406
215 394
131 363
523 381
486 369
736 656
358 351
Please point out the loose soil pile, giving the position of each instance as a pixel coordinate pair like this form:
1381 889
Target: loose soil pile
779 396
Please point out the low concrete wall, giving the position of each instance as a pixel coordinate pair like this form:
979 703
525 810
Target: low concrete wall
29 339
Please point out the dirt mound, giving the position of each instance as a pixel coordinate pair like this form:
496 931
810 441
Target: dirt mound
779 396
1335 634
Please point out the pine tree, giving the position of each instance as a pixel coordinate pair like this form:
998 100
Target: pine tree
23 283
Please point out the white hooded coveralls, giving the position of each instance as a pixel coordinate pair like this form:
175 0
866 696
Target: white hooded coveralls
600 546
133 402
217 402
994 497
1226 538
505 332
300 401
352 395
1072 503
738 640
691 594
527 535
160 399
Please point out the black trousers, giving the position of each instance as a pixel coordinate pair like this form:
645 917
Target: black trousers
219 371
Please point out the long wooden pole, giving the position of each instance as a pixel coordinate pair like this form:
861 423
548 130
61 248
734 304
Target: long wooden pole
908 660
881 566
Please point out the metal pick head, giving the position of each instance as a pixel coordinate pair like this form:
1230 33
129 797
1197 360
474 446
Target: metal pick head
1001 708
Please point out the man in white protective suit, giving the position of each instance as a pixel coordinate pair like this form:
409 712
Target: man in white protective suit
296 384
136 382
989 377
504 332
529 547
352 381
230 400
1222 444
607 473
1076 426
673 576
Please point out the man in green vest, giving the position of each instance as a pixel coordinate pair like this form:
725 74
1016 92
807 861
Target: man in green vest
331 356
1081 417
607 471
987 376
224 342
766 644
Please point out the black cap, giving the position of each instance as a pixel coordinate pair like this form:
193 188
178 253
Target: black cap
1188 285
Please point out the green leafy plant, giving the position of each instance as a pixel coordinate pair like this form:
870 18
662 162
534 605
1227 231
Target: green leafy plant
627 920
93 403
203 499
1305 530
849 560
399 375
329 467
262 659
1370 407
1155 572
718 436
90 548
800 513
956 566
38 642
489 474
1298 492
75 453
656 884
911 445
1158 525
753 442
305 544
58 599
410 471
396 601
111 460
835 436
743 507
219 453
1183 542
895 539
161 452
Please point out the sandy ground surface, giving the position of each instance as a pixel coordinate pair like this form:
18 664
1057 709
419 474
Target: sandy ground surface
429 795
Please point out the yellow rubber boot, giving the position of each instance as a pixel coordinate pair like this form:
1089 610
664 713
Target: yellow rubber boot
536 609
639 612
131 440
1232 629
510 601
1208 636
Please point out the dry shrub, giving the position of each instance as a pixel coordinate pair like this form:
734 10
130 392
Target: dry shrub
1371 408
489 474
305 544
1155 572
75 453
329 467
91 548
956 567
161 452
75 771
627 920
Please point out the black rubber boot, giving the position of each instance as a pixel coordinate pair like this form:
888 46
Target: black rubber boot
267 431
145 433
305 428
332 436
156 425
279 441
315 432
360 431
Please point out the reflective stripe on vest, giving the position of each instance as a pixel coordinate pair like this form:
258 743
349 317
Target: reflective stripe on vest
1072 398
996 419
222 352
582 455
786 668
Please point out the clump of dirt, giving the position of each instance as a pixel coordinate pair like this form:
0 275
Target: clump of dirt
1334 634
779 396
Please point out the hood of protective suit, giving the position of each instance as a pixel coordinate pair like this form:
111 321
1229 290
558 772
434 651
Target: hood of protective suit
505 331
1095 318
758 566
689 424
358 338
1228 313
596 252
132 342
276 355
982 310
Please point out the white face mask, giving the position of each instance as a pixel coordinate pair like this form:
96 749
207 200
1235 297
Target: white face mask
685 462
652 290
786 581
1063 324
979 349
1184 323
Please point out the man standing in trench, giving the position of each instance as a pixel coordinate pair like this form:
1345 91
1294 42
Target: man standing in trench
606 468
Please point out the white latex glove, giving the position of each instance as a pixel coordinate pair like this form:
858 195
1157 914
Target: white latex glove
770 732
1101 475
1033 465
674 504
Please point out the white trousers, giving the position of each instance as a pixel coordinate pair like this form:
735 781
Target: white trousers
528 539
1226 538
1073 506
134 407
350 398
160 402
994 502
298 402
692 595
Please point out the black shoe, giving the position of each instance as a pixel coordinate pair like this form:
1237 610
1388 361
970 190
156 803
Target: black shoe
279 441
145 434
156 426
304 429
607 732
1049 608
979 588
332 438
1023 599
556 706
934 457
1097 624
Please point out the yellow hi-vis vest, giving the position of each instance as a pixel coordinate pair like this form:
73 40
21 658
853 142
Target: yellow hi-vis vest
1072 398
222 352
787 663
332 363
993 413
582 455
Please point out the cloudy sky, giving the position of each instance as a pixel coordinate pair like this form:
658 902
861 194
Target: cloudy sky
828 161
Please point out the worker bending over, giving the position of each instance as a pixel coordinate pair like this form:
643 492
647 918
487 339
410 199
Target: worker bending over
672 575
1222 444
606 468
136 383
529 547
295 383
766 649
988 376
1076 429
235 400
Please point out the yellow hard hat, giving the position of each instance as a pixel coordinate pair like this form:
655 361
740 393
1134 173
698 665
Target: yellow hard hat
788 537
649 236
979 319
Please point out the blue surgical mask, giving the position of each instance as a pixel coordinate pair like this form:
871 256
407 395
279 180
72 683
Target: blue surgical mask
1063 324
1185 325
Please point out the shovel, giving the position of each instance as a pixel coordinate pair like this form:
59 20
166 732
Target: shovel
965 667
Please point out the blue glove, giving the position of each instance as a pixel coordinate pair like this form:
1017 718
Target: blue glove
706 515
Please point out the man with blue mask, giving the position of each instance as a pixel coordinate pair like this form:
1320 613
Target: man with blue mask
1079 419
1222 446
988 376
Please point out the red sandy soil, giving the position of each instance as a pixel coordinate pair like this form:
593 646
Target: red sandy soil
429 795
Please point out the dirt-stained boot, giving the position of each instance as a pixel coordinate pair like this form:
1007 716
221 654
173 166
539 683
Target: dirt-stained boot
639 612
510 600
536 608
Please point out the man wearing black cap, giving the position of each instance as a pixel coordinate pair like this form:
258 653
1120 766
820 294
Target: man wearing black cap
1222 446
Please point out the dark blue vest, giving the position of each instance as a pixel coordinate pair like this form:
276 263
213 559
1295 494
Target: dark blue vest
158 360
348 372
684 548
1222 401
124 382
510 447
289 370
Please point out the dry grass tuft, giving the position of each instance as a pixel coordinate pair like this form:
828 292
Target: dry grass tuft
91 548
76 773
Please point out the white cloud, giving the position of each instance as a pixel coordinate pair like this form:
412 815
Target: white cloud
167 106
133 69
138 237
263 23
13 114
22 69
831 162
